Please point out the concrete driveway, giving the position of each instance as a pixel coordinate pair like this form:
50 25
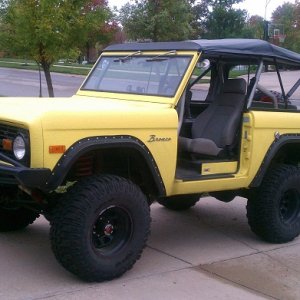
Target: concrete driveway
207 252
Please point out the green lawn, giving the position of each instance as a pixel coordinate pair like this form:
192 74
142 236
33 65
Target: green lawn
75 68
64 67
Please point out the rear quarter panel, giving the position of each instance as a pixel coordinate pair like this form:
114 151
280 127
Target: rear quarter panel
264 128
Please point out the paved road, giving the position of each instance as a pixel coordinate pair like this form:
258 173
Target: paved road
23 83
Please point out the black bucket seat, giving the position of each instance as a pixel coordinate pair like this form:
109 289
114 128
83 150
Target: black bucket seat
215 129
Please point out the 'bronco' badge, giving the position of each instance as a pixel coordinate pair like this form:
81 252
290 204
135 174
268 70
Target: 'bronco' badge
154 138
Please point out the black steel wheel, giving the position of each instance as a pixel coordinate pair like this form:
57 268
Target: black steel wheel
112 230
289 206
100 227
12 215
274 211
180 202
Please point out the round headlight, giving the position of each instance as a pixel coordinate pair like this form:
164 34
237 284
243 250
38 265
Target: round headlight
19 147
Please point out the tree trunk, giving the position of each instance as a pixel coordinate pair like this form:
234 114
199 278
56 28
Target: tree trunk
46 69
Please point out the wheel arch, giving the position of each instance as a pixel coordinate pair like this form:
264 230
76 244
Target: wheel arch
114 147
285 150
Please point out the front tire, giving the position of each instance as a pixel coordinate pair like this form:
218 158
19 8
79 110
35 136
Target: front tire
274 212
100 228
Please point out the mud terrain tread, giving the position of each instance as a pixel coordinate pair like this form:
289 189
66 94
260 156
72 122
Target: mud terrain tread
67 227
11 220
263 208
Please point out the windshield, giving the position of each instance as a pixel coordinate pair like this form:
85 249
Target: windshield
147 75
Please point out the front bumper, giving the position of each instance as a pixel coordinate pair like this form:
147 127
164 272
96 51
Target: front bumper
12 172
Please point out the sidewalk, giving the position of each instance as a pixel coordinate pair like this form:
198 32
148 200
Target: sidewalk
206 253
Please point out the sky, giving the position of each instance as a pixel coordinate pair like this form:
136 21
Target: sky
254 7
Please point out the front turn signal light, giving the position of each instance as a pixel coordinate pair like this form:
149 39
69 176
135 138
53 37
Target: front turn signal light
57 149
7 144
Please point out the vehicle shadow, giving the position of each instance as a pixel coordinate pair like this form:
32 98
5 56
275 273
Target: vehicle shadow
209 232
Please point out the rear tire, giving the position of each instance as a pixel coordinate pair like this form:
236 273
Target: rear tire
100 227
180 202
274 211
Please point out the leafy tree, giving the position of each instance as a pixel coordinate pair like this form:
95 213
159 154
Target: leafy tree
46 30
158 20
223 23
288 16
200 13
256 23
219 19
254 28
99 26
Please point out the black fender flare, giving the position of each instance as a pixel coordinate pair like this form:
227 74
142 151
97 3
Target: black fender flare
86 145
278 143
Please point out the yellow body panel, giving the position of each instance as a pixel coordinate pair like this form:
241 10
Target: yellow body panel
266 125
64 121
258 134
152 120
26 113
228 167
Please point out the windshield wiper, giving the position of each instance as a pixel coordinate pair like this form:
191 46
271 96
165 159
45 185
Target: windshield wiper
124 59
162 57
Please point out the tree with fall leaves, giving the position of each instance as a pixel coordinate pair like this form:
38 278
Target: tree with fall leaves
287 16
45 30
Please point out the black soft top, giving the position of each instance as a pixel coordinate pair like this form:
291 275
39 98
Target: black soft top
218 48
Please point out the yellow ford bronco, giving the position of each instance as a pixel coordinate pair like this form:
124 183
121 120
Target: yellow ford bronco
166 122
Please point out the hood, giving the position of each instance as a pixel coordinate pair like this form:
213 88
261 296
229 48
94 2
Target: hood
85 112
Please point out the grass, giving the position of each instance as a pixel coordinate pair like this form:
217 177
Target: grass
64 67
237 73
77 69
233 73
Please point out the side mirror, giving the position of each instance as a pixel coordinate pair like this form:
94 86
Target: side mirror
204 64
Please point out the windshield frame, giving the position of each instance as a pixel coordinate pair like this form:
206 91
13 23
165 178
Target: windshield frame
156 98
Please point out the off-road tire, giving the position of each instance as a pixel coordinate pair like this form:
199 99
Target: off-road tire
260 96
12 215
16 218
274 211
100 227
180 202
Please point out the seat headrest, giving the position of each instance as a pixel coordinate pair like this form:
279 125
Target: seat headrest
235 86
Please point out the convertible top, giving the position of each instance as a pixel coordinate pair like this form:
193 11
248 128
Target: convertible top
217 48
